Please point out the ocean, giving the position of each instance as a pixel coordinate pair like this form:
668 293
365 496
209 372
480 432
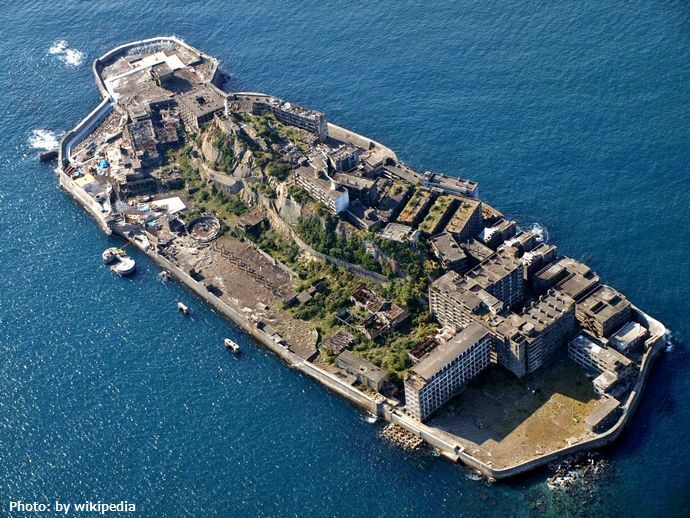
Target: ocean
571 115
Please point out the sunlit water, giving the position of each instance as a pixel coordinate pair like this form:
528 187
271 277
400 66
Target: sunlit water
573 115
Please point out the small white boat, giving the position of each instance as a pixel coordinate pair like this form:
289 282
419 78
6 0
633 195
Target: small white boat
371 418
111 254
124 266
233 346
182 308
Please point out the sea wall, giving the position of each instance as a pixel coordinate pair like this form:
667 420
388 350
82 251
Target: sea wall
82 130
88 202
331 381
347 135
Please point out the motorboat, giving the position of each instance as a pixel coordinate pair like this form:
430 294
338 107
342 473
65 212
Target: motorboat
124 266
182 308
111 254
232 345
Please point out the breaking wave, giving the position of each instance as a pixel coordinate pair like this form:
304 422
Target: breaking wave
540 231
44 139
68 55
670 341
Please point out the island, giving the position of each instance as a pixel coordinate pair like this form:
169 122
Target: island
402 291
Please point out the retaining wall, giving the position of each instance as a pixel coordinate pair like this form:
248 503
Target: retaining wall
276 220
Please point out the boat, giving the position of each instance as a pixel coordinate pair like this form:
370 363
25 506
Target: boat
371 418
124 266
182 308
233 346
164 276
111 254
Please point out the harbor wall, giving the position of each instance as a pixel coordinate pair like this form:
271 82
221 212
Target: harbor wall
81 130
331 381
88 202
346 135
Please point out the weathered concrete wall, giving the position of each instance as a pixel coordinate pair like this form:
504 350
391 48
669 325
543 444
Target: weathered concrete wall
89 203
347 135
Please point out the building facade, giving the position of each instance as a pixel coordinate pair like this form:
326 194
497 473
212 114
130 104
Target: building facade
446 371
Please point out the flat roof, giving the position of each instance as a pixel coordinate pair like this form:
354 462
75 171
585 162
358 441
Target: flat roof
447 352
362 366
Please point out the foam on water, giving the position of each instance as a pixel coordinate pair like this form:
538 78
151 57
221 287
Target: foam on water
540 231
68 55
44 139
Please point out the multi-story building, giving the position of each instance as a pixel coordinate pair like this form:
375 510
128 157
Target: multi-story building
476 251
522 343
612 367
453 303
438 215
495 235
293 115
322 187
359 187
199 106
450 184
603 311
467 221
344 157
502 276
448 252
553 318
446 370
572 278
537 258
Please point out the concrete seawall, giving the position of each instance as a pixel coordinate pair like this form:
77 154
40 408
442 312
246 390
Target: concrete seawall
332 382
444 442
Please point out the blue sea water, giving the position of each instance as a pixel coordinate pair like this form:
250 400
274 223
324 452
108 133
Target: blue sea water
575 115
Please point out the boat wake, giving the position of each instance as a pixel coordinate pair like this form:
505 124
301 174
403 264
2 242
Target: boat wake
68 55
45 139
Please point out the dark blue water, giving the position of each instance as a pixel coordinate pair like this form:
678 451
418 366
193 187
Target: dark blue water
575 115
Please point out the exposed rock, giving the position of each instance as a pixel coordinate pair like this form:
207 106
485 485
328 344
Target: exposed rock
245 167
210 152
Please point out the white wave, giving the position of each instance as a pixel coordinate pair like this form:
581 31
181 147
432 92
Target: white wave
68 55
58 47
540 231
670 341
44 139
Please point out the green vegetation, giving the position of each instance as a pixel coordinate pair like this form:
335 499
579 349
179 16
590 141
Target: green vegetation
279 169
320 233
207 198
437 211
298 194
285 251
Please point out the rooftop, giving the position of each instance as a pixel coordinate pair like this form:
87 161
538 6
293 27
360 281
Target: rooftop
604 303
445 353
362 366
466 208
